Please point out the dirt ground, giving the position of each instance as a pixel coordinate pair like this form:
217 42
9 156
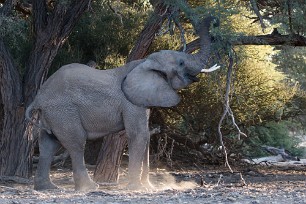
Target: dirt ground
211 184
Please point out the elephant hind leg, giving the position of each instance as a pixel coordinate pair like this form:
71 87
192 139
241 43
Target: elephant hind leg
48 145
72 136
74 141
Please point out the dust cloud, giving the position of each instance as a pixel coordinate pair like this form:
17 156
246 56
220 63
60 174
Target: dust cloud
166 181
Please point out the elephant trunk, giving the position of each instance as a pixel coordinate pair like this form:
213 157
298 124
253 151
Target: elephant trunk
201 57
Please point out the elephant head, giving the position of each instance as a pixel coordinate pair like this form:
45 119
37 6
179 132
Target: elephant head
163 73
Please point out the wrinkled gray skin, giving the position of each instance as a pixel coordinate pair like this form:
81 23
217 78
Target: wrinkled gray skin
78 103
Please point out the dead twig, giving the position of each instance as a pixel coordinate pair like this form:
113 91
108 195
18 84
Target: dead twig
242 180
162 149
173 20
219 180
228 111
256 11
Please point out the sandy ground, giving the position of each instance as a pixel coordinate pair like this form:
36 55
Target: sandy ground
211 185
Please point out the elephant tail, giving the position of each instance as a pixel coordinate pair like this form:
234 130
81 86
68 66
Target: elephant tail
32 115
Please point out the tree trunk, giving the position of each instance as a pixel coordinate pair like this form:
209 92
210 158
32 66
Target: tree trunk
51 29
15 150
109 159
110 155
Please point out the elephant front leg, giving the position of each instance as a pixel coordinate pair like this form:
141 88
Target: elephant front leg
80 175
146 168
137 129
137 148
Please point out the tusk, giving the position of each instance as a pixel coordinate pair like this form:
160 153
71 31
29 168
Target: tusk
213 68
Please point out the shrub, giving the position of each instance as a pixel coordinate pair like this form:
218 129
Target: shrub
275 134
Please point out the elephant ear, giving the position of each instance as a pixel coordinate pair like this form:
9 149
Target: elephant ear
147 85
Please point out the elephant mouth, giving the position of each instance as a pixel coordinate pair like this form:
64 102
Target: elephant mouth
192 78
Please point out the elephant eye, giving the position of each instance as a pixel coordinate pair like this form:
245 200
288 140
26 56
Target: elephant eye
181 62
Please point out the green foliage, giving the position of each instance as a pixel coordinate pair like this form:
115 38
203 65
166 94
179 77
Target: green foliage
288 16
11 26
259 87
15 32
275 134
293 12
103 35
259 93
292 61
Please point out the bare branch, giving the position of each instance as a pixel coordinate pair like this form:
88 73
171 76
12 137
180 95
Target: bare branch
24 8
227 110
256 10
270 39
116 11
182 32
72 16
147 35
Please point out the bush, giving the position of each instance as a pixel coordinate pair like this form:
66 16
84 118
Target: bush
275 134
259 94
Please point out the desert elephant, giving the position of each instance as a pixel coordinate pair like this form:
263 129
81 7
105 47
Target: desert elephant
79 102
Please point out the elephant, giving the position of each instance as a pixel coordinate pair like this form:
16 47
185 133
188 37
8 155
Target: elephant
79 103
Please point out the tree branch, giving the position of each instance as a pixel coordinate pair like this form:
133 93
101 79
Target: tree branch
73 15
256 10
147 35
39 15
24 8
270 39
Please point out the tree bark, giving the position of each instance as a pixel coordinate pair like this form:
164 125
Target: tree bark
51 29
274 38
15 150
109 159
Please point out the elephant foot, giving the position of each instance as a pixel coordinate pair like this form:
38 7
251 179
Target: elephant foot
88 186
40 186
